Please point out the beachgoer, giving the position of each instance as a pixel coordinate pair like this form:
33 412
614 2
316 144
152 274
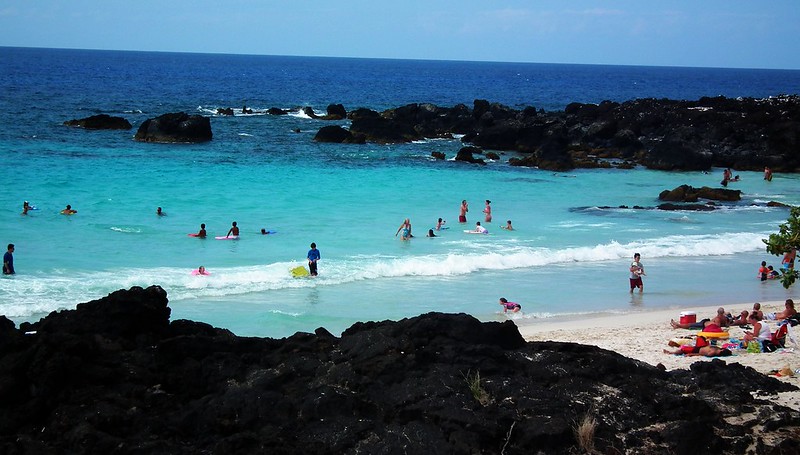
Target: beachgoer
637 270
313 256
430 233
480 229
160 212
68 210
488 211
264 231
773 274
8 261
405 227
706 325
743 317
513 307
201 271
508 226
788 312
763 271
767 174
788 259
202 231
25 208
234 230
701 347
760 331
462 213
726 176
440 224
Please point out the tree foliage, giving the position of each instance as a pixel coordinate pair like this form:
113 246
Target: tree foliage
787 239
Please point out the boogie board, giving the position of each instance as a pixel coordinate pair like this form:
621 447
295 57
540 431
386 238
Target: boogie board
222 237
197 272
194 234
473 232
299 272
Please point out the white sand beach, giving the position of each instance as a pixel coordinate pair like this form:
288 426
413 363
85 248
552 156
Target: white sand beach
644 335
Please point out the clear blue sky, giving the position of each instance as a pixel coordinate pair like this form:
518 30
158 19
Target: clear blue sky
716 33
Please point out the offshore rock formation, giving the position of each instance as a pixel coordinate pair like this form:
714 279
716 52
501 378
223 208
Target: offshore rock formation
742 133
175 127
100 122
116 376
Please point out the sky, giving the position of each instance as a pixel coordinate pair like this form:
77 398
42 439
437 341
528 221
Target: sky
704 33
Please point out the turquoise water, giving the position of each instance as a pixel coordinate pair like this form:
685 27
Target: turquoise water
566 255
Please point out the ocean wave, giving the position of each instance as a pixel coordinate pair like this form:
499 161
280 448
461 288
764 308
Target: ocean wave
27 295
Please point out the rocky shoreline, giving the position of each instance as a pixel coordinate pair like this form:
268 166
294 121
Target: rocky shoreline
662 134
115 375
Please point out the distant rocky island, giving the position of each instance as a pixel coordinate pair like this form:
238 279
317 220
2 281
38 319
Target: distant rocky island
116 375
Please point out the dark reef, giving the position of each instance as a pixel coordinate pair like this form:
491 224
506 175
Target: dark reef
115 375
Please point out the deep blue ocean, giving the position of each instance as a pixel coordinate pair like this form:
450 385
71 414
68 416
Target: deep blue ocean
565 257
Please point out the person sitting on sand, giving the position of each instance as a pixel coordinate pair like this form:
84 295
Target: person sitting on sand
513 307
508 226
787 312
760 331
742 319
68 210
707 325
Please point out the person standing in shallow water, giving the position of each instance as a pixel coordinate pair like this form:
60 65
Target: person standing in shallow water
8 261
462 213
637 270
313 256
488 211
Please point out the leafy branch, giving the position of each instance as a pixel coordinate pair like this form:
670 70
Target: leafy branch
786 239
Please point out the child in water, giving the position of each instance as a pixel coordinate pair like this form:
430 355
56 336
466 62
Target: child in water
509 306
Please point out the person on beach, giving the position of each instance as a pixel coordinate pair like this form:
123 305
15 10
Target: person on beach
462 213
430 233
788 312
68 210
508 226
25 207
202 231
440 224
313 256
8 261
234 230
767 174
160 212
763 271
706 325
405 227
480 229
760 330
637 270
264 231
743 317
488 211
201 271
513 307
701 347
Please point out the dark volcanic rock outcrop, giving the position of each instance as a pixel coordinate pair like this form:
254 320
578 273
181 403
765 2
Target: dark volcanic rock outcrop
742 133
116 376
100 122
687 193
175 127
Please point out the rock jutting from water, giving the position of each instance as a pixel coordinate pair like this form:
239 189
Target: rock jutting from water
115 375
